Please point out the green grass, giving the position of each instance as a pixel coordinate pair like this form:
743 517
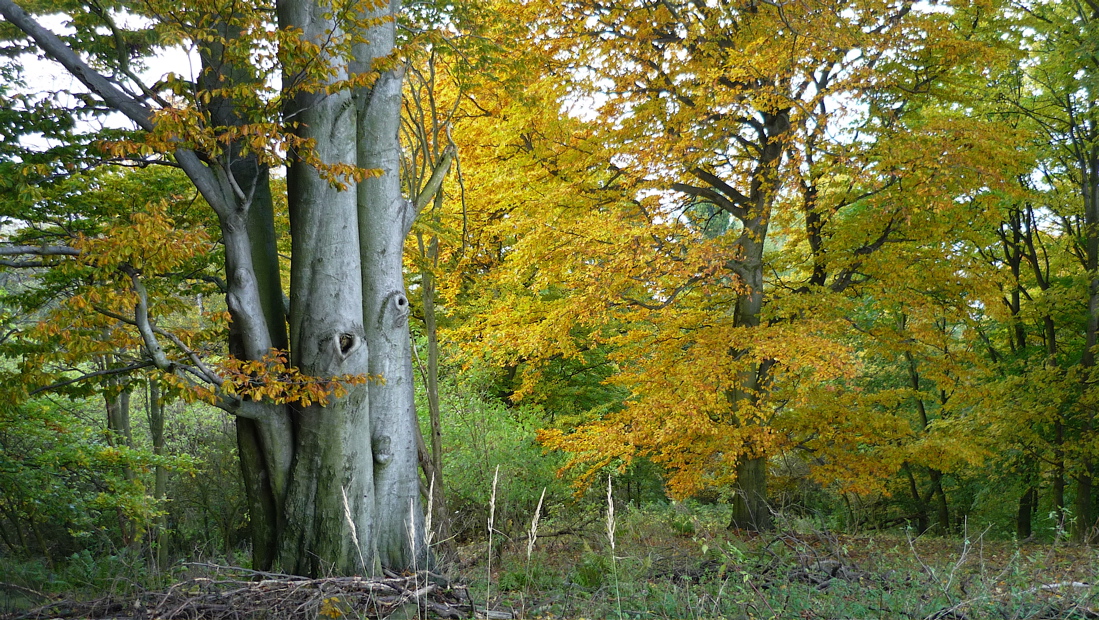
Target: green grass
668 570
681 561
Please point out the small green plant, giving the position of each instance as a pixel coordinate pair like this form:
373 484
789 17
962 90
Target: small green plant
591 571
684 526
534 576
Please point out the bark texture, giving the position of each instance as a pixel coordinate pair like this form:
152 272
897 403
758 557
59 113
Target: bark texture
384 220
332 489
329 501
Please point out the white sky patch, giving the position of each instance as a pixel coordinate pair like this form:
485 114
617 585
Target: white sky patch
44 75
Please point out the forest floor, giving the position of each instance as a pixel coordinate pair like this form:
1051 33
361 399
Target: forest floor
662 566
688 568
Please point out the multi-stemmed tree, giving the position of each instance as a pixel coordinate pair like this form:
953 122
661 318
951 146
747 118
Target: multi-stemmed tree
329 459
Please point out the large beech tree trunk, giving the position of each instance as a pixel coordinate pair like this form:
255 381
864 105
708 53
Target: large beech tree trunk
332 489
384 220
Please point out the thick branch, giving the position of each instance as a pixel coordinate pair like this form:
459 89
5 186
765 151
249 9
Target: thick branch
203 372
717 199
144 326
436 181
114 97
38 250
97 83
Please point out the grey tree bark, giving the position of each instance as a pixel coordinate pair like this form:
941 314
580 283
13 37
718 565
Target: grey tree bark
384 220
751 510
155 412
332 489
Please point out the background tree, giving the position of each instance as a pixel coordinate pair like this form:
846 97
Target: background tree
718 332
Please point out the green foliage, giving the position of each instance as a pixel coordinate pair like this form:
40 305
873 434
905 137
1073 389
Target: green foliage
593 570
538 575
63 486
479 434
207 510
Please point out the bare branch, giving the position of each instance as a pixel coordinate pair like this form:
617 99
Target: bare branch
733 193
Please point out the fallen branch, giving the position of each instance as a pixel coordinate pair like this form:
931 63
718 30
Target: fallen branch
243 594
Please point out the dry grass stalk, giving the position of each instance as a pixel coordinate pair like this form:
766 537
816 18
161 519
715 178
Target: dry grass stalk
610 536
491 523
534 526
428 533
610 514
354 530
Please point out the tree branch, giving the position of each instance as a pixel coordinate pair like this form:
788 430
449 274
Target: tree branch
435 182
96 82
38 250
92 375
114 97
720 201
733 193
203 372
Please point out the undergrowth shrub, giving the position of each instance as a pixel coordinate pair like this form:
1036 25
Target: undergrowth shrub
479 434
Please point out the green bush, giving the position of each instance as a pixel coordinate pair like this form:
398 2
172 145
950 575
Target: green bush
479 435
207 508
63 487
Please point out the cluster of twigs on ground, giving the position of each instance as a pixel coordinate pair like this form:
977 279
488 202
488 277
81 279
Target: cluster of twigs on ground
240 594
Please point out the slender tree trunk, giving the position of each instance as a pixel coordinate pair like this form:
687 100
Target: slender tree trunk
942 512
7 541
118 420
1059 476
160 485
922 519
41 539
1024 518
13 518
1083 530
440 514
1089 185
119 433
